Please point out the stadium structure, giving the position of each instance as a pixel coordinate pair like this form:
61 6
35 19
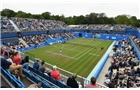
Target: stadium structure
87 50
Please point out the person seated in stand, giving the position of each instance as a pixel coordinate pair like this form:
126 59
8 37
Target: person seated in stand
10 66
18 60
36 85
72 82
55 73
93 83
25 62
43 69
36 64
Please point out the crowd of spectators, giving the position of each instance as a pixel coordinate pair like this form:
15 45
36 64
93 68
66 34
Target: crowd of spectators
136 41
63 35
124 70
35 39
12 62
26 24
100 27
53 24
13 44
5 25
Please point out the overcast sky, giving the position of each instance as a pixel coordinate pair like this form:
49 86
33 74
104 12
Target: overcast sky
75 7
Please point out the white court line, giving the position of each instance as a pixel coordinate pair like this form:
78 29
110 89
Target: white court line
55 46
86 49
94 54
60 54
71 49
67 49
85 53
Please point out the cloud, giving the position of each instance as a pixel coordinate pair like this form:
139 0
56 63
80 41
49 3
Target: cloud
111 9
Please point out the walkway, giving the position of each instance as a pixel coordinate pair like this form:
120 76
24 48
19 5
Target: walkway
104 71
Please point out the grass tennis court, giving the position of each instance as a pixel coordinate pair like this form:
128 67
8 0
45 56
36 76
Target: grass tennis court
80 58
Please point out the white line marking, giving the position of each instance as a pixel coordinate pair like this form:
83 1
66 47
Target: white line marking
86 49
60 54
84 53
94 54
55 46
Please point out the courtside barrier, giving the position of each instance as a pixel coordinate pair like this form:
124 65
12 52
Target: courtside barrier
135 48
97 69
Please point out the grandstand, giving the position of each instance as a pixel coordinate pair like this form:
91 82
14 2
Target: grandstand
81 52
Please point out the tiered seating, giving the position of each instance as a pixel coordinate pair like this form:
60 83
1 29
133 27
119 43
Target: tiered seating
36 79
58 83
136 41
12 79
5 25
124 66
12 42
32 40
53 24
100 27
26 24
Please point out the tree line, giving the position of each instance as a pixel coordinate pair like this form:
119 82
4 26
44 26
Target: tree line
92 18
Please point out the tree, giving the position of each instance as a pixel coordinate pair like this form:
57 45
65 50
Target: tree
134 21
8 13
21 14
92 18
46 15
122 19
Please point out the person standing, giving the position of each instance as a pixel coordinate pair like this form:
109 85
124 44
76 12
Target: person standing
60 51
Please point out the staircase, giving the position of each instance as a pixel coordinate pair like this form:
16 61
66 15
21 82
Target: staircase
44 26
50 36
67 35
14 25
23 42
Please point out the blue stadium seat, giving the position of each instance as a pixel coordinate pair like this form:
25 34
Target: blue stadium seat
61 85
37 79
53 87
36 71
46 77
30 75
39 73
45 84
22 85
52 80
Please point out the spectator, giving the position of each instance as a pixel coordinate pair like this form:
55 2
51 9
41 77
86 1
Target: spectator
80 86
72 82
62 80
36 85
107 80
55 73
16 58
110 74
36 64
93 83
42 68
8 65
25 62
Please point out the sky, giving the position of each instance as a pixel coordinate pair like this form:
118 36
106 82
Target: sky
112 8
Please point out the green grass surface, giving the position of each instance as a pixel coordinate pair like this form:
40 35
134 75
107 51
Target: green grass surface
80 59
